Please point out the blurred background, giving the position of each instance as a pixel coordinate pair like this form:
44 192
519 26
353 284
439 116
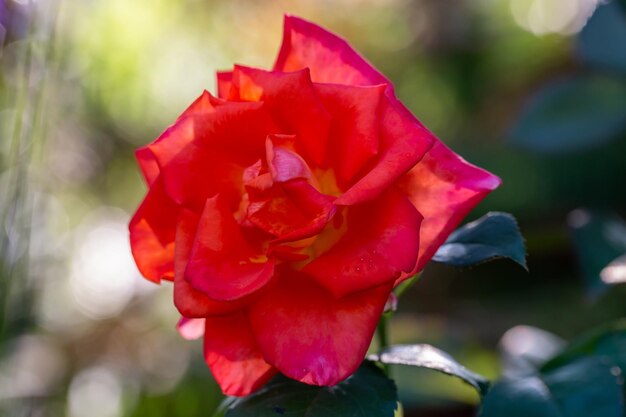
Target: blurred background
532 90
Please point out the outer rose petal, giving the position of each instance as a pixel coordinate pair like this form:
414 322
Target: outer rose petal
191 329
152 231
311 336
292 99
224 83
190 302
206 103
233 356
329 57
444 188
221 263
381 242
147 164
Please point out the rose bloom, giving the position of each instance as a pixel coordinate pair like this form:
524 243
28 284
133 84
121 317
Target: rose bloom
286 210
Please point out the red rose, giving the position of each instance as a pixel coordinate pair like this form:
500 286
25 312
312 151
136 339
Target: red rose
287 209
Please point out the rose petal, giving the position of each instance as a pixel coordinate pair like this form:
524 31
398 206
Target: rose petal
444 188
206 103
224 83
381 242
329 57
232 354
147 164
403 143
201 156
284 164
311 336
152 231
292 99
222 264
191 329
354 132
290 211
190 302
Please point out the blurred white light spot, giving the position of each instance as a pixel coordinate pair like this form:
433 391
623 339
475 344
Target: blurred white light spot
578 218
526 347
33 367
95 392
542 17
615 272
103 275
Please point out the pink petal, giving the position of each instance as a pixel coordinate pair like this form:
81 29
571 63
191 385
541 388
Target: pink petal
232 354
381 242
191 329
222 264
444 188
284 164
311 336
329 57
152 231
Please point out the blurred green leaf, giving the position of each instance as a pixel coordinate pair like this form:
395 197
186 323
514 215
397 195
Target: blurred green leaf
589 386
426 356
367 393
601 41
493 236
608 341
600 241
573 114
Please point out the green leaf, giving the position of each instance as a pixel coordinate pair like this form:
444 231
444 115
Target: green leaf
367 393
600 241
601 42
426 356
493 236
606 341
588 387
574 114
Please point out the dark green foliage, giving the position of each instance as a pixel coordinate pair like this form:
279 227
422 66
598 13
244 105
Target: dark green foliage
601 42
585 379
587 387
493 236
426 356
572 114
600 241
367 393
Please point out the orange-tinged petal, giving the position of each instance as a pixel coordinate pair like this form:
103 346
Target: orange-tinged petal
232 354
293 101
152 231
